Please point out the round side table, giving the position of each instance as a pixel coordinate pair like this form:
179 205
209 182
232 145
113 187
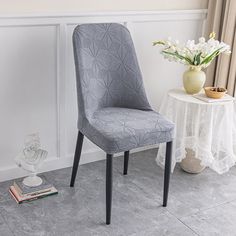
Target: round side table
205 133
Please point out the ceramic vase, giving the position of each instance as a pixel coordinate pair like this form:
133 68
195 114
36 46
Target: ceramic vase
194 79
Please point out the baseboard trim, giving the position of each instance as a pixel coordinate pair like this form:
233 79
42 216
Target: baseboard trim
59 163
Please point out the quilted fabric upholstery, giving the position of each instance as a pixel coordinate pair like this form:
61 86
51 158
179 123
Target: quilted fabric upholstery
114 112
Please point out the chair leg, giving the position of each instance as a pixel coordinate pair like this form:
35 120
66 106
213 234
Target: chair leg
126 162
108 188
77 155
167 172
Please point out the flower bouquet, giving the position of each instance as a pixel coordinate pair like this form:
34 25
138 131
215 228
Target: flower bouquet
195 55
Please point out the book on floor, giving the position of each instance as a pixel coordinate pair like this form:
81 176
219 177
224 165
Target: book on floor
23 189
22 193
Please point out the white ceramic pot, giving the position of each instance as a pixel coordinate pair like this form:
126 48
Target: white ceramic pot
190 163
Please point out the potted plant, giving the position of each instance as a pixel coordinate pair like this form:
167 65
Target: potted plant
196 55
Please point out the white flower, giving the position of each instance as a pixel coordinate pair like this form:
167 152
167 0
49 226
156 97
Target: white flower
190 44
176 41
172 48
200 54
202 40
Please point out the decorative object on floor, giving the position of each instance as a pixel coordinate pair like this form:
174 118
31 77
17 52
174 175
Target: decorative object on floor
215 92
197 56
206 131
114 112
191 163
31 158
22 193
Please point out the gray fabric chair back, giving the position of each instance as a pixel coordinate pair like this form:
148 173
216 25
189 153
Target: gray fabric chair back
114 112
107 70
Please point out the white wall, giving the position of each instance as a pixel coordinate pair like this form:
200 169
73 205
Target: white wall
37 80
34 6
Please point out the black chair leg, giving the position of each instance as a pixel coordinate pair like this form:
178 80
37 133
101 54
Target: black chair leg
77 155
126 162
167 172
108 188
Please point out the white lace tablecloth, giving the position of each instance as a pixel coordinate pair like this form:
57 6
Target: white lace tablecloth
209 129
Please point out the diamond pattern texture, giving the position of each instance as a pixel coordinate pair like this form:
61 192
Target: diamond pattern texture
114 112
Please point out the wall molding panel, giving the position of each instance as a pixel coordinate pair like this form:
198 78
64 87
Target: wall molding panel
37 85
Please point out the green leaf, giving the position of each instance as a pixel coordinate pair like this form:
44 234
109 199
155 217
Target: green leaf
198 58
211 56
176 54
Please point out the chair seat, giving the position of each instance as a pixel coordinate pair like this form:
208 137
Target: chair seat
121 129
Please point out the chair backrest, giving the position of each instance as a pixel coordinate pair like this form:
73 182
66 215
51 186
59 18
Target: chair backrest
107 69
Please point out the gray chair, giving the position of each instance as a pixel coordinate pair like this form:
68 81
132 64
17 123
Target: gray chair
114 112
